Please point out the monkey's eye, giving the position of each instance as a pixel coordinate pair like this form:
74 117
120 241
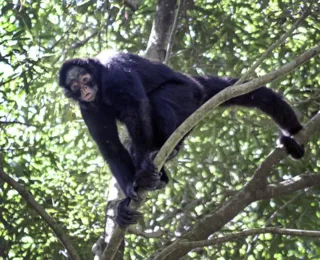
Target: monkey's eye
85 79
75 87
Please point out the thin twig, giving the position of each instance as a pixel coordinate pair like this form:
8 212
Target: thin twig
83 42
173 31
16 122
275 45
252 244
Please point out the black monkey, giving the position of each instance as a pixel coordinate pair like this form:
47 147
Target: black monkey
151 100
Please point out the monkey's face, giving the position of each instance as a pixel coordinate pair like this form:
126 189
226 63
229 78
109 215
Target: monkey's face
80 84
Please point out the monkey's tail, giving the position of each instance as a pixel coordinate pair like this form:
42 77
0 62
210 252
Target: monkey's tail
267 101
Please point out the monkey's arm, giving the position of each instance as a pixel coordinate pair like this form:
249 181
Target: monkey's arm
103 129
125 93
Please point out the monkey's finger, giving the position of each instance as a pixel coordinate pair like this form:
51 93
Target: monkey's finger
131 193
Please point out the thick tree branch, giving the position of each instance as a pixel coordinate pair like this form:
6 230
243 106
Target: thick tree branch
288 186
161 30
243 234
61 235
251 192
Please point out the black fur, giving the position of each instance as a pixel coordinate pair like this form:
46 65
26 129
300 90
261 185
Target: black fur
152 100
292 147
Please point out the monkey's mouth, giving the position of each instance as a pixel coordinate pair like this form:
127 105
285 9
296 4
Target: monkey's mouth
89 97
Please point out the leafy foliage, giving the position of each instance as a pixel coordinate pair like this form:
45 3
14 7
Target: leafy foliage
45 146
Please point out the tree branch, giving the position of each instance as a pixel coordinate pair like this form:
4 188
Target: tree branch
288 186
59 232
139 232
275 45
79 44
250 247
245 233
251 192
17 122
161 29
173 32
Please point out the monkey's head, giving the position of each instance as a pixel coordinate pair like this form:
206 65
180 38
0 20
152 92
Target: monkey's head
79 80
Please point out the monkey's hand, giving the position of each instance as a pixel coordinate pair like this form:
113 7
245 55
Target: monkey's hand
147 177
125 215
